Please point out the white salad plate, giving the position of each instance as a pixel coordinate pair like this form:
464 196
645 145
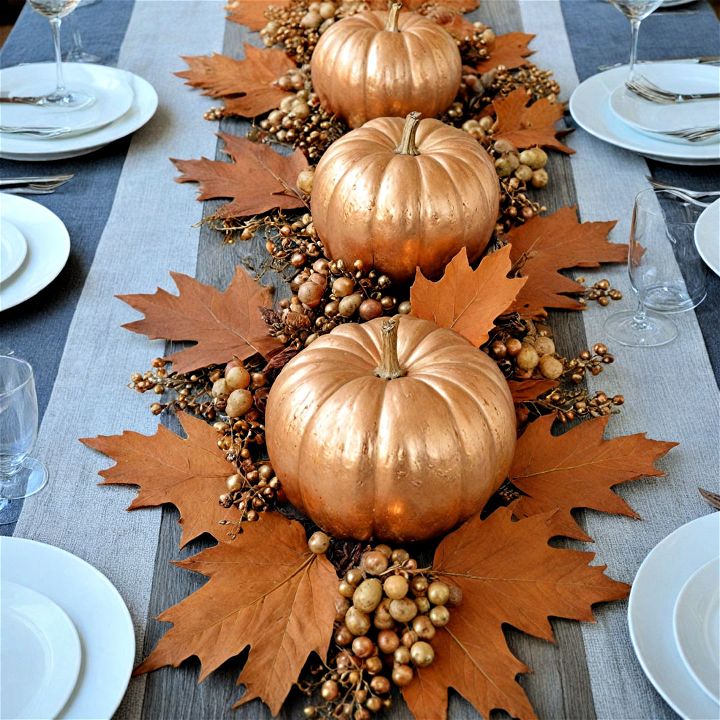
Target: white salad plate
40 654
96 609
13 248
143 107
111 92
651 609
590 107
48 248
707 236
697 627
652 118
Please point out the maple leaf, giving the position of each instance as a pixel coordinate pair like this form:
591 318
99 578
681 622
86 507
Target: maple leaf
451 20
188 473
508 574
525 126
546 244
467 300
524 390
578 470
249 82
224 325
252 12
510 50
258 179
266 591
458 6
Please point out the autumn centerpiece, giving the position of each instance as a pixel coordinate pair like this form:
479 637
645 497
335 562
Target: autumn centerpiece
378 64
397 430
401 194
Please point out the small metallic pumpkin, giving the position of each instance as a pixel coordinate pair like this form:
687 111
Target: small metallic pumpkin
393 429
380 64
400 194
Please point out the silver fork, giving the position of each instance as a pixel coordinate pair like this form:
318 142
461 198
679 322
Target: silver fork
690 193
696 134
37 131
39 187
647 90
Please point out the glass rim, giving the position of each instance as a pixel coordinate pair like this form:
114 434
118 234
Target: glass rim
659 211
25 381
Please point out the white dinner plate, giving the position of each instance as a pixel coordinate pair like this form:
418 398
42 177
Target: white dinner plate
707 236
590 107
110 89
13 248
650 117
697 627
675 3
48 248
97 611
40 653
650 613
144 105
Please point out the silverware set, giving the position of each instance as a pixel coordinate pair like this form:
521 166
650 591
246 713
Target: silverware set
33 185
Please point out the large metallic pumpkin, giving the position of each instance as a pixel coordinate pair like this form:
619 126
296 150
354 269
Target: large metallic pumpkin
380 64
392 429
400 194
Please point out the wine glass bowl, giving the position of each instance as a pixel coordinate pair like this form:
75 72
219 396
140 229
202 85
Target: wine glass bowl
635 11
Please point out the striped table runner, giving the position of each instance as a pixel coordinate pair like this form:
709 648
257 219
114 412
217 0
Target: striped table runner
130 224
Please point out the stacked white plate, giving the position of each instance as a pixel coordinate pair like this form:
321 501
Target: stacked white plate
123 102
67 642
674 618
605 108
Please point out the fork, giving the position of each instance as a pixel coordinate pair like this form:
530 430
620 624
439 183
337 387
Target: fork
37 131
696 134
37 186
690 193
647 90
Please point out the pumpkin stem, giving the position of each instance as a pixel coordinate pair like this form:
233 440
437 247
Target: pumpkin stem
389 367
392 19
407 144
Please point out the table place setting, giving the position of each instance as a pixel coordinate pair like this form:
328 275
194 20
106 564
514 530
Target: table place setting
371 386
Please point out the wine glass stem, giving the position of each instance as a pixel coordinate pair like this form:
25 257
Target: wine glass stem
635 30
55 26
640 317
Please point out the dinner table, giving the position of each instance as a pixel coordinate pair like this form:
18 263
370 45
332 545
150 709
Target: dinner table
130 224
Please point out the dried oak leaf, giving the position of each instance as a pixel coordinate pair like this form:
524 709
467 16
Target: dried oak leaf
467 300
266 591
510 50
525 126
189 473
525 390
258 179
224 324
546 244
578 469
252 12
508 574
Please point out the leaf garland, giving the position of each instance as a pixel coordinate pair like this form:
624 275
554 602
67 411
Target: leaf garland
467 300
225 325
510 50
188 473
508 574
248 85
578 469
266 591
257 179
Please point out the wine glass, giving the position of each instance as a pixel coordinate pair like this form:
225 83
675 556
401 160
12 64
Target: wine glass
635 11
55 10
20 475
665 270
77 52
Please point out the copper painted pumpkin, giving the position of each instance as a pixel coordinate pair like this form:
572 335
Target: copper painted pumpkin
394 429
379 64
400 194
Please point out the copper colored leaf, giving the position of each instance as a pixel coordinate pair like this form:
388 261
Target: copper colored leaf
510 50
508 574
460 6
257 179
252 12
578 469
266 591
467 300
525 126
451 20
224 324
188 473
525 390
546 244
248 85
